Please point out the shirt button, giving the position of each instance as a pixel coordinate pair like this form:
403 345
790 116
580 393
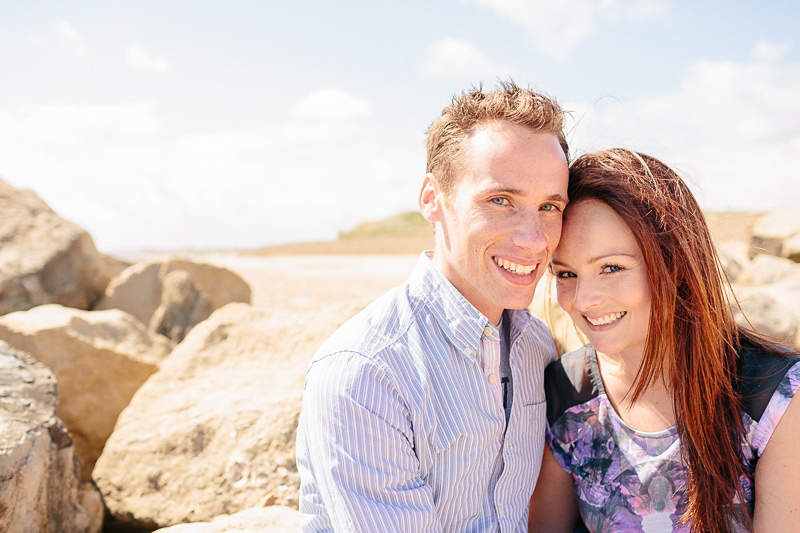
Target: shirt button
501 512
493 379
468 351
487 331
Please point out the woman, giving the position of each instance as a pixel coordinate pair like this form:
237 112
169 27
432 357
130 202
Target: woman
662 422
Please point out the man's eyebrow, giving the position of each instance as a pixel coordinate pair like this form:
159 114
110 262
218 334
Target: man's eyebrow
558 198
508 190
519 192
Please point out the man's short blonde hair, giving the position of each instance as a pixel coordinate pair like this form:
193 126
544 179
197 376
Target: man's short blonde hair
459 120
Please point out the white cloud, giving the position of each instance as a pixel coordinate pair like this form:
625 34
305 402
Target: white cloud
556 28
734 129
120 173
766 51
456 57
326 115
331 104
70 40
140 58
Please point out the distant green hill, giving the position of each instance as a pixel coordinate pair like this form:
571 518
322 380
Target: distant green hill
410 223
406 233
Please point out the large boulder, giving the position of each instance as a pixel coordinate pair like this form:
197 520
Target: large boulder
39 487
768 290
213 431
100 358
274 519
777 233
173 296
44 258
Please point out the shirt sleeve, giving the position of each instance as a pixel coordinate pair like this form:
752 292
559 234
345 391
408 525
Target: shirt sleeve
560 453
784 393
358 468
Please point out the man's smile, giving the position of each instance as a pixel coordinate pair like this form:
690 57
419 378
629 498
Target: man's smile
514 268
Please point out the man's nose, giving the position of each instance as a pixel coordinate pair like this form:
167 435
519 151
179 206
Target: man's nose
530 234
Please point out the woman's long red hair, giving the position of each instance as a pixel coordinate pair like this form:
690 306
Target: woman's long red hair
692 333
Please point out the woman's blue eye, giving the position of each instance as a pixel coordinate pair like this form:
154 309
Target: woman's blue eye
610 269
565 274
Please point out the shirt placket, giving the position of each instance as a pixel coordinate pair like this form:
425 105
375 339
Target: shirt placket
490 358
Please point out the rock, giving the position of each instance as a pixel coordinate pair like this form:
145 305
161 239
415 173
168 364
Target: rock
734 259
175 295
44 258
275 519
100 358
777 233
772 312
213 431
39 488
767 270
182 306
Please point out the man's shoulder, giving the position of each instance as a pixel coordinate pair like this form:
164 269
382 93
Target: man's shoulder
538 330
382 325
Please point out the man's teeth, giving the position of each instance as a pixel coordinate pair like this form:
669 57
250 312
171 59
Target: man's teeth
522 270
607 319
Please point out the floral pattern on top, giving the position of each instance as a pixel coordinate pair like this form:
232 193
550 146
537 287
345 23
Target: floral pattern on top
633 481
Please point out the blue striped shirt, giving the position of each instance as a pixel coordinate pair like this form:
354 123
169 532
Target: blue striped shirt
401 429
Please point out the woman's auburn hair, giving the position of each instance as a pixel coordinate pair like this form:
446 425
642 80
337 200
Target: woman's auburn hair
692 335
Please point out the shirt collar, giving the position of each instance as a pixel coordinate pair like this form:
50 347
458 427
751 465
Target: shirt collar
461 321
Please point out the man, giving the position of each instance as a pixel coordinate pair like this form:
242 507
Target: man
425 412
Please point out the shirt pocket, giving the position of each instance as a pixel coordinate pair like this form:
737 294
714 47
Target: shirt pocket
532 422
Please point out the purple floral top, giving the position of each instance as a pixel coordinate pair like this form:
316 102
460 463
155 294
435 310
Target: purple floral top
629 480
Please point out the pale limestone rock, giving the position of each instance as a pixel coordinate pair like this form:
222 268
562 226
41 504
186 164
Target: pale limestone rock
768 290
777 233
182 306
100 358
274 519
772 309
39 487
44 258
734 259
213 431
767 270
174 295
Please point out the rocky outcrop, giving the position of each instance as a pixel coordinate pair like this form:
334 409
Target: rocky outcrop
213 431
275 519
99 358
173 296
777 233
768 290
39 487
44 258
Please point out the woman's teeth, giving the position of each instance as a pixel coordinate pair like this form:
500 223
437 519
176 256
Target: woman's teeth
522 270
607 319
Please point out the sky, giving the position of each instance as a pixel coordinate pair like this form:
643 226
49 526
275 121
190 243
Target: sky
194 124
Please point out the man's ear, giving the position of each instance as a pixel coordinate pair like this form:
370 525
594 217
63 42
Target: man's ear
430 199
